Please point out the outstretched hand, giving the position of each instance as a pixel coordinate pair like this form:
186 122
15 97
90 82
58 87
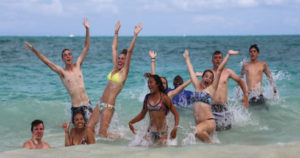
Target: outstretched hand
186 54
117 26
131 128
86 23
232 52
65 126
152 54
138 28
199 74
28 46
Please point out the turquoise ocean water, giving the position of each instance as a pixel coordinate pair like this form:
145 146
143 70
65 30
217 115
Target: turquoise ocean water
30 90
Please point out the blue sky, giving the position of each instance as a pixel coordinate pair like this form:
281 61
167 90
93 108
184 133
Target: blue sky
159 17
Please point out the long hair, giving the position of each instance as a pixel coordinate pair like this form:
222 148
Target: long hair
157 81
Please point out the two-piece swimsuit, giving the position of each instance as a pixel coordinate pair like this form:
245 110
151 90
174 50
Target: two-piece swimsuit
203 97
114 78
160 106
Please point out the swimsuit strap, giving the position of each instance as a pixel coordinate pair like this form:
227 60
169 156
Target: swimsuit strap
114 78
156 107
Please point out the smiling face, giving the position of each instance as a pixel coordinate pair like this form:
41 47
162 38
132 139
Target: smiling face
121 61
67 57
254 54
152 85
164 83
79 121
38 131
207 79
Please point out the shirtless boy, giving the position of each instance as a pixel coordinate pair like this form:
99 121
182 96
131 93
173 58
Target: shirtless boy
37 130
254 73
219 106
71 75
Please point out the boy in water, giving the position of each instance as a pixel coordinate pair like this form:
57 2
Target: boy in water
254 72
37 130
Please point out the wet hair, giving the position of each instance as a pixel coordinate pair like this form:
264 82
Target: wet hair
177 79
217 52
166 82
35 123
79 112
210 72
124 51
157 81
255 47
62 53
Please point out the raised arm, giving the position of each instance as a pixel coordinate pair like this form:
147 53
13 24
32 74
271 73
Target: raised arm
53 67
137 30
139 117
269 75
194 78
115 44
177 90
172 108
153 55
221 67
86 43
66 126
241 83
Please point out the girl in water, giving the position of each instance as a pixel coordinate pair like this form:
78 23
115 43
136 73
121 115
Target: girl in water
158 104
80 134
204 90
116 80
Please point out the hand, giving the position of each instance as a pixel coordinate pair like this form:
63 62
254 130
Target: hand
173 133
66 126
186 54
86 23
28 46
199 74
117 27
131 128
246 103
232 52
138 28
152 54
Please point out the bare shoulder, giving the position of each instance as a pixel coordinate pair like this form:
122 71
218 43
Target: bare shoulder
46 145
27 145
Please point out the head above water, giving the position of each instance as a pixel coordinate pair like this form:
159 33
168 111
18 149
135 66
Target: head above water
36 123
121 59
177 81
79 120
154 83
164 82
254 52
67 56
207 78
79 112
217 58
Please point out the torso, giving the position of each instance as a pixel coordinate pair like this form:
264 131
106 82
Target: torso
220 96
73 81
112 89
78 138
254 72
202 111
31 145
157 113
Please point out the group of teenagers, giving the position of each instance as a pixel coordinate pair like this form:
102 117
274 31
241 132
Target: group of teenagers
209 99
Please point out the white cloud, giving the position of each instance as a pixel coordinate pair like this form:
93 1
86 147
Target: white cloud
247 3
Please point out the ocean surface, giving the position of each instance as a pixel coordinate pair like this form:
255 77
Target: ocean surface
30 90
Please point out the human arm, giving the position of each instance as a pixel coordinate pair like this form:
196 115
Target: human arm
86 43
269 75
241 83
194 78
152 54
139 117
115 44
221 67
137 29
27 145
177 90
90 136
52 66
172 108
66 126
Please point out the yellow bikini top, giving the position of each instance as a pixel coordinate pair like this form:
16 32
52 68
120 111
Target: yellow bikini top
114 78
